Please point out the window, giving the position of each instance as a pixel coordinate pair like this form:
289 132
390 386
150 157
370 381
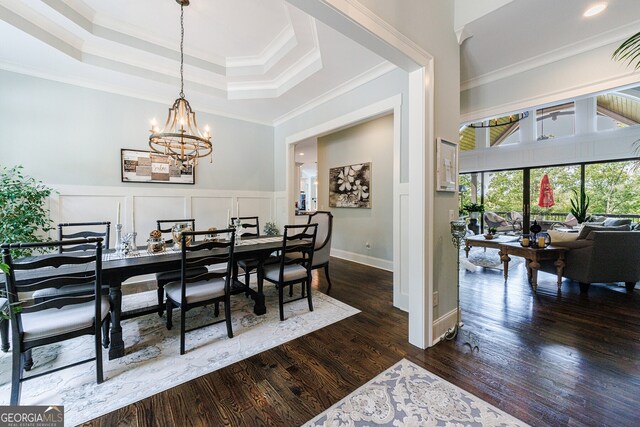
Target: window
556 121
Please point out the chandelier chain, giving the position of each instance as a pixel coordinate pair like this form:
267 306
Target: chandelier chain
181 50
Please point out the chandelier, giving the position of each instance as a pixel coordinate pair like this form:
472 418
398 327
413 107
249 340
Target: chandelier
180 137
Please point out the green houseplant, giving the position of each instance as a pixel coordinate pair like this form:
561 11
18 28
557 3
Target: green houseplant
579 206
474 209
24 216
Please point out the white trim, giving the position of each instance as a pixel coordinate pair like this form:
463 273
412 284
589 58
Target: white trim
444 323
622 79
555 55
369 75
380 263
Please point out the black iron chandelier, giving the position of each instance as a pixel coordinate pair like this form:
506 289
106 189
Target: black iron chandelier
180 137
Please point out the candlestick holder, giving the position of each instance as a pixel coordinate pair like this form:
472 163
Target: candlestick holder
237 225
118 246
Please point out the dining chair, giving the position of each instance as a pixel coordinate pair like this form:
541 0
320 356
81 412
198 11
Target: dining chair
250 227
171 276
67 231
294 266
57 319
88 229
322 251
4 325
210 287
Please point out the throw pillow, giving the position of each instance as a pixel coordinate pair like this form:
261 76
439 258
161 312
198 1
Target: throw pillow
609 222
570 221
559 236
586 229
596 218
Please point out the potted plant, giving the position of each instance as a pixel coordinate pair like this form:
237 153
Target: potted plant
474 210
579 206
24 216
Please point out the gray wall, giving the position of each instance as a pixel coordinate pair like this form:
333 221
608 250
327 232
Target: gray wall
393 83
65 134
368 142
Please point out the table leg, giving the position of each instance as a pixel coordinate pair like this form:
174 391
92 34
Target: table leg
259 308
467 248
534 265
504 257
116 349
560 268
527 262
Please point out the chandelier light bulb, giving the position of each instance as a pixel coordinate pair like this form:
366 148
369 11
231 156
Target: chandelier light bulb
595 9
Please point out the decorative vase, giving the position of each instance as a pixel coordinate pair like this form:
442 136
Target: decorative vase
176 233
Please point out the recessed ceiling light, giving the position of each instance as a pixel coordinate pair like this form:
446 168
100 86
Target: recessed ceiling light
595 9
300 154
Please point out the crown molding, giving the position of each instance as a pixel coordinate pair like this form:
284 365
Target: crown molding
116 90
559 54
372 74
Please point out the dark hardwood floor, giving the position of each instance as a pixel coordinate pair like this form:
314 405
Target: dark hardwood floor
557 359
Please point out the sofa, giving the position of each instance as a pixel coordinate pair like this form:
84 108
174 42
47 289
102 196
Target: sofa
601 255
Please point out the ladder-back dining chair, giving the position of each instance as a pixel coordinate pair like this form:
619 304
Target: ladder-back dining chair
210 287
294 266
57 319
69 230
165 226
249 227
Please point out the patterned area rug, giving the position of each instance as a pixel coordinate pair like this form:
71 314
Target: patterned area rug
408 395
153 363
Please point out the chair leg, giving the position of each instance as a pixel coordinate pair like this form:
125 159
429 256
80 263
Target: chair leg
28 360
247 277
291 290
216 309
16 376
183 329
308 285
99 371
169 314
227 315
584 287
4 335
326 273
281 301
628 285
160 299
106 324
303 290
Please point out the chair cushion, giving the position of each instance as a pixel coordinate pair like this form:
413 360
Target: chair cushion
495 220
561 236
252 264
172 276
196 291
53 321
291 272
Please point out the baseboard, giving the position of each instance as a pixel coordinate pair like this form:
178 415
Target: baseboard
444 323
380 263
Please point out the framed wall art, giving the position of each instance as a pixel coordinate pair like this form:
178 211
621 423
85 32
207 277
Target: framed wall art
146 166
446 165
350 186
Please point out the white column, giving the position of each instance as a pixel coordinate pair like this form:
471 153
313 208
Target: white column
483 138
528 129
586 115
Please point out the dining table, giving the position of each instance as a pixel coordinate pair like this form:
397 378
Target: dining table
117 268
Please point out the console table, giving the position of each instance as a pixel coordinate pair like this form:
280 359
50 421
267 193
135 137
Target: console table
507 246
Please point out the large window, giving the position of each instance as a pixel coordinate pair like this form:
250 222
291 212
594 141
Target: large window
613 188
563 180
503 191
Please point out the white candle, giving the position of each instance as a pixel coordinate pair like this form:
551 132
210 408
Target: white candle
118 214
133 217
237 209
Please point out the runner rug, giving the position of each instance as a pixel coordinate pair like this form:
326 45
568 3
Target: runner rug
153 363
408 395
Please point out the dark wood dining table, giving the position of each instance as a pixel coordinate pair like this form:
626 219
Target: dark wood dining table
116 271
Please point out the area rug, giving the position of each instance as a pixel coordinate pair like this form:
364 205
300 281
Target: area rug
408 395
153 363
487 258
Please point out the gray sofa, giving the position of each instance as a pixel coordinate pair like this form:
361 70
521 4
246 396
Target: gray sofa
602 256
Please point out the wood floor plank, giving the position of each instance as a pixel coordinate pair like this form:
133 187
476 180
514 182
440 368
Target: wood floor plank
548 358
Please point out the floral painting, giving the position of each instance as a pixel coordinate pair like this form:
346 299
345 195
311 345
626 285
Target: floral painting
350 186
